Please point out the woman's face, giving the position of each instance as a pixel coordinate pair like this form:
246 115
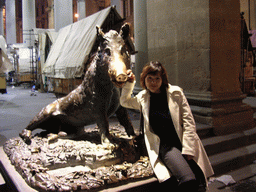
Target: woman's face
153 82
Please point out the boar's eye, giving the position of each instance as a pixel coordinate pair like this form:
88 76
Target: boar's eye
108 51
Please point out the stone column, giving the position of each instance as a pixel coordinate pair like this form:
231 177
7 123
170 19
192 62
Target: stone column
229 113
221 104
201 49
63 13
1 21
50 11
141 39
10 22
81 10
28 21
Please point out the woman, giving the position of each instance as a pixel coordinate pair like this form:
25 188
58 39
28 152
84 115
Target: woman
172 143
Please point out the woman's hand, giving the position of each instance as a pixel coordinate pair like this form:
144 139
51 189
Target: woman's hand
131 76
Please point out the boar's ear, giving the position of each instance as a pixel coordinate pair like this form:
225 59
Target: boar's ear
124 32
100 33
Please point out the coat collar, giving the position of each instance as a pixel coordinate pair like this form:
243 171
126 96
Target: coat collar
171 89
145 102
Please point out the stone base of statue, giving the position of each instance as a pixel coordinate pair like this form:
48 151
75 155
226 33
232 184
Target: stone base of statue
78 164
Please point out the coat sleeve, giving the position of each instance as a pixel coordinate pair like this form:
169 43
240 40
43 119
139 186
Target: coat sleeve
126 99
189 138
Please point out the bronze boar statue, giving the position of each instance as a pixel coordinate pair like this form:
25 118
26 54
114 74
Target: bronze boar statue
96 98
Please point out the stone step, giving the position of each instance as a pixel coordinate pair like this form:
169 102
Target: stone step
230 160
251 101
218 144
238 175
204 131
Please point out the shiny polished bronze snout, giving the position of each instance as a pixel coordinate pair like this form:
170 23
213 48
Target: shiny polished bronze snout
122 77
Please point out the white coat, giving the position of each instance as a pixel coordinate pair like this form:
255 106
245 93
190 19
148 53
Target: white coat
183 122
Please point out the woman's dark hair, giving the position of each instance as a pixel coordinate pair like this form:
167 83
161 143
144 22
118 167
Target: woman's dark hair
153 67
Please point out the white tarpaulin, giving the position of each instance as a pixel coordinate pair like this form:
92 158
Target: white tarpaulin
5 64
38 31
24 57
41 36
25 53
72 47
43 45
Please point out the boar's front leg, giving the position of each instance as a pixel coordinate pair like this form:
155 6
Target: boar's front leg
124 119
26 136
103 125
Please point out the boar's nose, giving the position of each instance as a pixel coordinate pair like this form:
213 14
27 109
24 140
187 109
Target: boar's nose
121 77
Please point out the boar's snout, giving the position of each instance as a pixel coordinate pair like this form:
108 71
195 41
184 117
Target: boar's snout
122 77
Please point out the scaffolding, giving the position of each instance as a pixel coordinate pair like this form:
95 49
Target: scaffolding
32 45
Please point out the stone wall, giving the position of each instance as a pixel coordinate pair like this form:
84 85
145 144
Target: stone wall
199 44
178 34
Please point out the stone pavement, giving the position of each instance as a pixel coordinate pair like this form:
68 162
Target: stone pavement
18 107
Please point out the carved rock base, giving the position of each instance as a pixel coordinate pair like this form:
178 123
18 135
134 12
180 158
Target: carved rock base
70 165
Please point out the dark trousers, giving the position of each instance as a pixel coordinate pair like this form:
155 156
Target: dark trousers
187 173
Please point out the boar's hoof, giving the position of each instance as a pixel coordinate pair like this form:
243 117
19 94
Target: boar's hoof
52 137
26 136
106 139
62 134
